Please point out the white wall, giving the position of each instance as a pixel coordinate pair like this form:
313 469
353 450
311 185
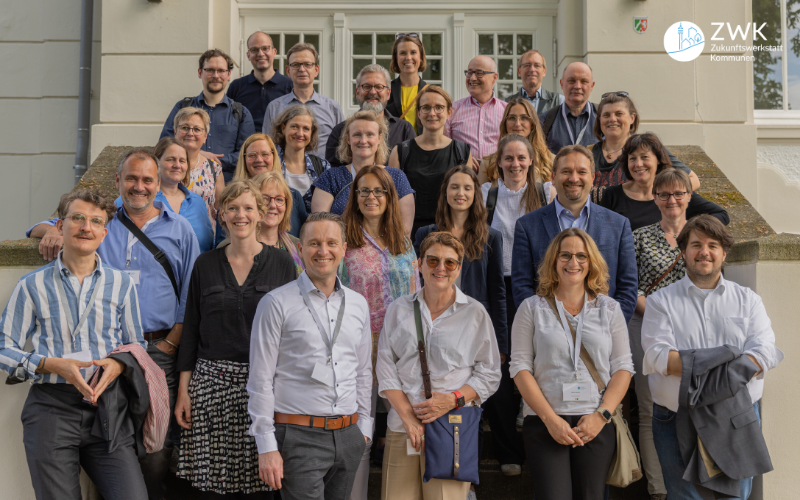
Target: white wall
39 54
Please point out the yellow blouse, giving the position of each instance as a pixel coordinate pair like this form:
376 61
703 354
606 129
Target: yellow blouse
407 96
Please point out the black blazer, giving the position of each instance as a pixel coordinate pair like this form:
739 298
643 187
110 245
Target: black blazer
483 281
395 106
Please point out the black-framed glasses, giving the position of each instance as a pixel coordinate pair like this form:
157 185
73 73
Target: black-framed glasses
279 200
254 155
307 65
478 74
212 71
438 109
449 264
401 35
255 50
80 219
678 195
567 256
368 88
620 93
365 192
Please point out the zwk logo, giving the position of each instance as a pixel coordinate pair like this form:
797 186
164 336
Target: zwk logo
684 41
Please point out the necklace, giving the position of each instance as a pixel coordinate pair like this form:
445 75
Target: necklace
608 154
440 310
572 310
666 232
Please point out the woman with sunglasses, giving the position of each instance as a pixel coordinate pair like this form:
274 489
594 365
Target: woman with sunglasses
568 436
617 120
259 155
408 59
381 265
426 158
463 361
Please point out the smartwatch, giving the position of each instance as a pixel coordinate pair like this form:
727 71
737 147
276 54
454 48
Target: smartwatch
604 413
459 400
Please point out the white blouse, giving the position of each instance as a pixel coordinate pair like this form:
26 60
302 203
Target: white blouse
506 213
539 345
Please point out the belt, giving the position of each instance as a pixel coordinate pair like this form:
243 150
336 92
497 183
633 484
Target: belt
157 335
327 423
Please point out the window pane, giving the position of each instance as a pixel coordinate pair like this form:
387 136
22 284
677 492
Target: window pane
313 40
291 40
355 101
505 45
358 64
362 44
316 88
385 42
276 41
433 71
524 43
385 63
486 44
504 90
793 54
767 71
432 44
505 68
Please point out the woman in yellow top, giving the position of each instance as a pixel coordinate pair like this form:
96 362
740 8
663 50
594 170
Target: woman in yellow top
408 59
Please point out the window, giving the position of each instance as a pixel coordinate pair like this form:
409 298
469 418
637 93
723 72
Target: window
285 41
376 48
505 49
776 75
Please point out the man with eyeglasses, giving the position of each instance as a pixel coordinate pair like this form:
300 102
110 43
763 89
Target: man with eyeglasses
476 119
263 85
573 121
373 91
532 69
231 123
303 63
75 311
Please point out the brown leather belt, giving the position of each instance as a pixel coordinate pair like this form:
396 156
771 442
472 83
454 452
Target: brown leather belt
327 423
160 334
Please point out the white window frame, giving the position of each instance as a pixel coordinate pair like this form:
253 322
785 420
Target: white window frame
784 116
516 81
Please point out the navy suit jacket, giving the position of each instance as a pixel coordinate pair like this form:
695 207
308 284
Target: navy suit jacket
612 234
482 280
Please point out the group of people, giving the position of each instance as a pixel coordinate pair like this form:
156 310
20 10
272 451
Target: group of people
286 280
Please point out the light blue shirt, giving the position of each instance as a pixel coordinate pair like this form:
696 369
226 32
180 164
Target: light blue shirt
566 219
326 111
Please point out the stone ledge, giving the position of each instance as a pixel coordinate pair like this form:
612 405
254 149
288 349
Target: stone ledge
16 253
774 247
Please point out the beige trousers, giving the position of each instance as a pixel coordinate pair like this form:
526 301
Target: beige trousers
402 474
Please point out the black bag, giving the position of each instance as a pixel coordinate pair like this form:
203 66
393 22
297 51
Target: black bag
159 255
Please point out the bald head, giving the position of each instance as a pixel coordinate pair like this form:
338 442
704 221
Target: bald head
577 83
481 88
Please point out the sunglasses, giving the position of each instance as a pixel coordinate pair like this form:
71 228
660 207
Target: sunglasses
621 93
449 264
401 35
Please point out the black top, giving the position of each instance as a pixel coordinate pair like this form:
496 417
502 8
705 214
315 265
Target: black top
256 97
425 172
399 131
644 213
611 174
219 313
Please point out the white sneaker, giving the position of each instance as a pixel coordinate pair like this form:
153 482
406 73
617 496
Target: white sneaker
471 495
520 415
511 469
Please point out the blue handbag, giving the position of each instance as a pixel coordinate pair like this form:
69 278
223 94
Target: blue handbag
451 441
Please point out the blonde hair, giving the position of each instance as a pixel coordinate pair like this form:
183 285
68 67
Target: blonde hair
275 178
596 281
241 172
345 153
232 192
184 114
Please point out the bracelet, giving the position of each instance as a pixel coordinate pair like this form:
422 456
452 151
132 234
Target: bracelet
40 366
170 343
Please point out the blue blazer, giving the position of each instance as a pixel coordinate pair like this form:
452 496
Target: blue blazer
612 234
483 281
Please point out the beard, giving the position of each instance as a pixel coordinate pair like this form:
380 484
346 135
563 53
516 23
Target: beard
377 107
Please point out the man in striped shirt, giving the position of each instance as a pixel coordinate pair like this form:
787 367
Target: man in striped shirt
476 119
74 311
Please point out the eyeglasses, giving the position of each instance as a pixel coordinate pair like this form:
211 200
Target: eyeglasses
438 109
527 66
678 195
212 71
364 193
566 257
80 219
621 93
478 74
255 50
196 130
279 200
449 264
263 154
401 35
520 118
368 88
307 65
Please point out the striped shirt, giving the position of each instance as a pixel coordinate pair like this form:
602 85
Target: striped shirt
35 313
478 126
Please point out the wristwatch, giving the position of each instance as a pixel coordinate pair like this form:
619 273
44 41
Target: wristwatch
604 413
459 400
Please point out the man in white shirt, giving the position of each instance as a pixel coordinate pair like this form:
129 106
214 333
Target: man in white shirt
310 380
703 310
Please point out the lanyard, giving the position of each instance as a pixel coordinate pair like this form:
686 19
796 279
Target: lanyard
569 129
328 342
574 346
62 299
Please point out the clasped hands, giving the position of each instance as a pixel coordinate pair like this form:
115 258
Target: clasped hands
70 370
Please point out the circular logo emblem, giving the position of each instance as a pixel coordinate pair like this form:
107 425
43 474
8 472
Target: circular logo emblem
684 41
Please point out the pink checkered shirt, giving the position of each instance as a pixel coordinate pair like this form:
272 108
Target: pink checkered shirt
478 126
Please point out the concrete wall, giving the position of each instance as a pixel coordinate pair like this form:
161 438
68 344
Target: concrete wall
39 54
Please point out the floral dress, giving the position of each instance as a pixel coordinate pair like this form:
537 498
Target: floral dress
203 181
381 278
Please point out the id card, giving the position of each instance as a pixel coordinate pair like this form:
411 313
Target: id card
577 391
134 276
323 373
410 448
82 356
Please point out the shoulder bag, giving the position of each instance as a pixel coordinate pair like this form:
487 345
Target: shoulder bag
626 466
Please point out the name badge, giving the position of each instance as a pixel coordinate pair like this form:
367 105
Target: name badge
323 373
134 276
577 391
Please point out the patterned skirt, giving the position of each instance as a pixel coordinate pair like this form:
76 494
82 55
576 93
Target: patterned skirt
217 453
